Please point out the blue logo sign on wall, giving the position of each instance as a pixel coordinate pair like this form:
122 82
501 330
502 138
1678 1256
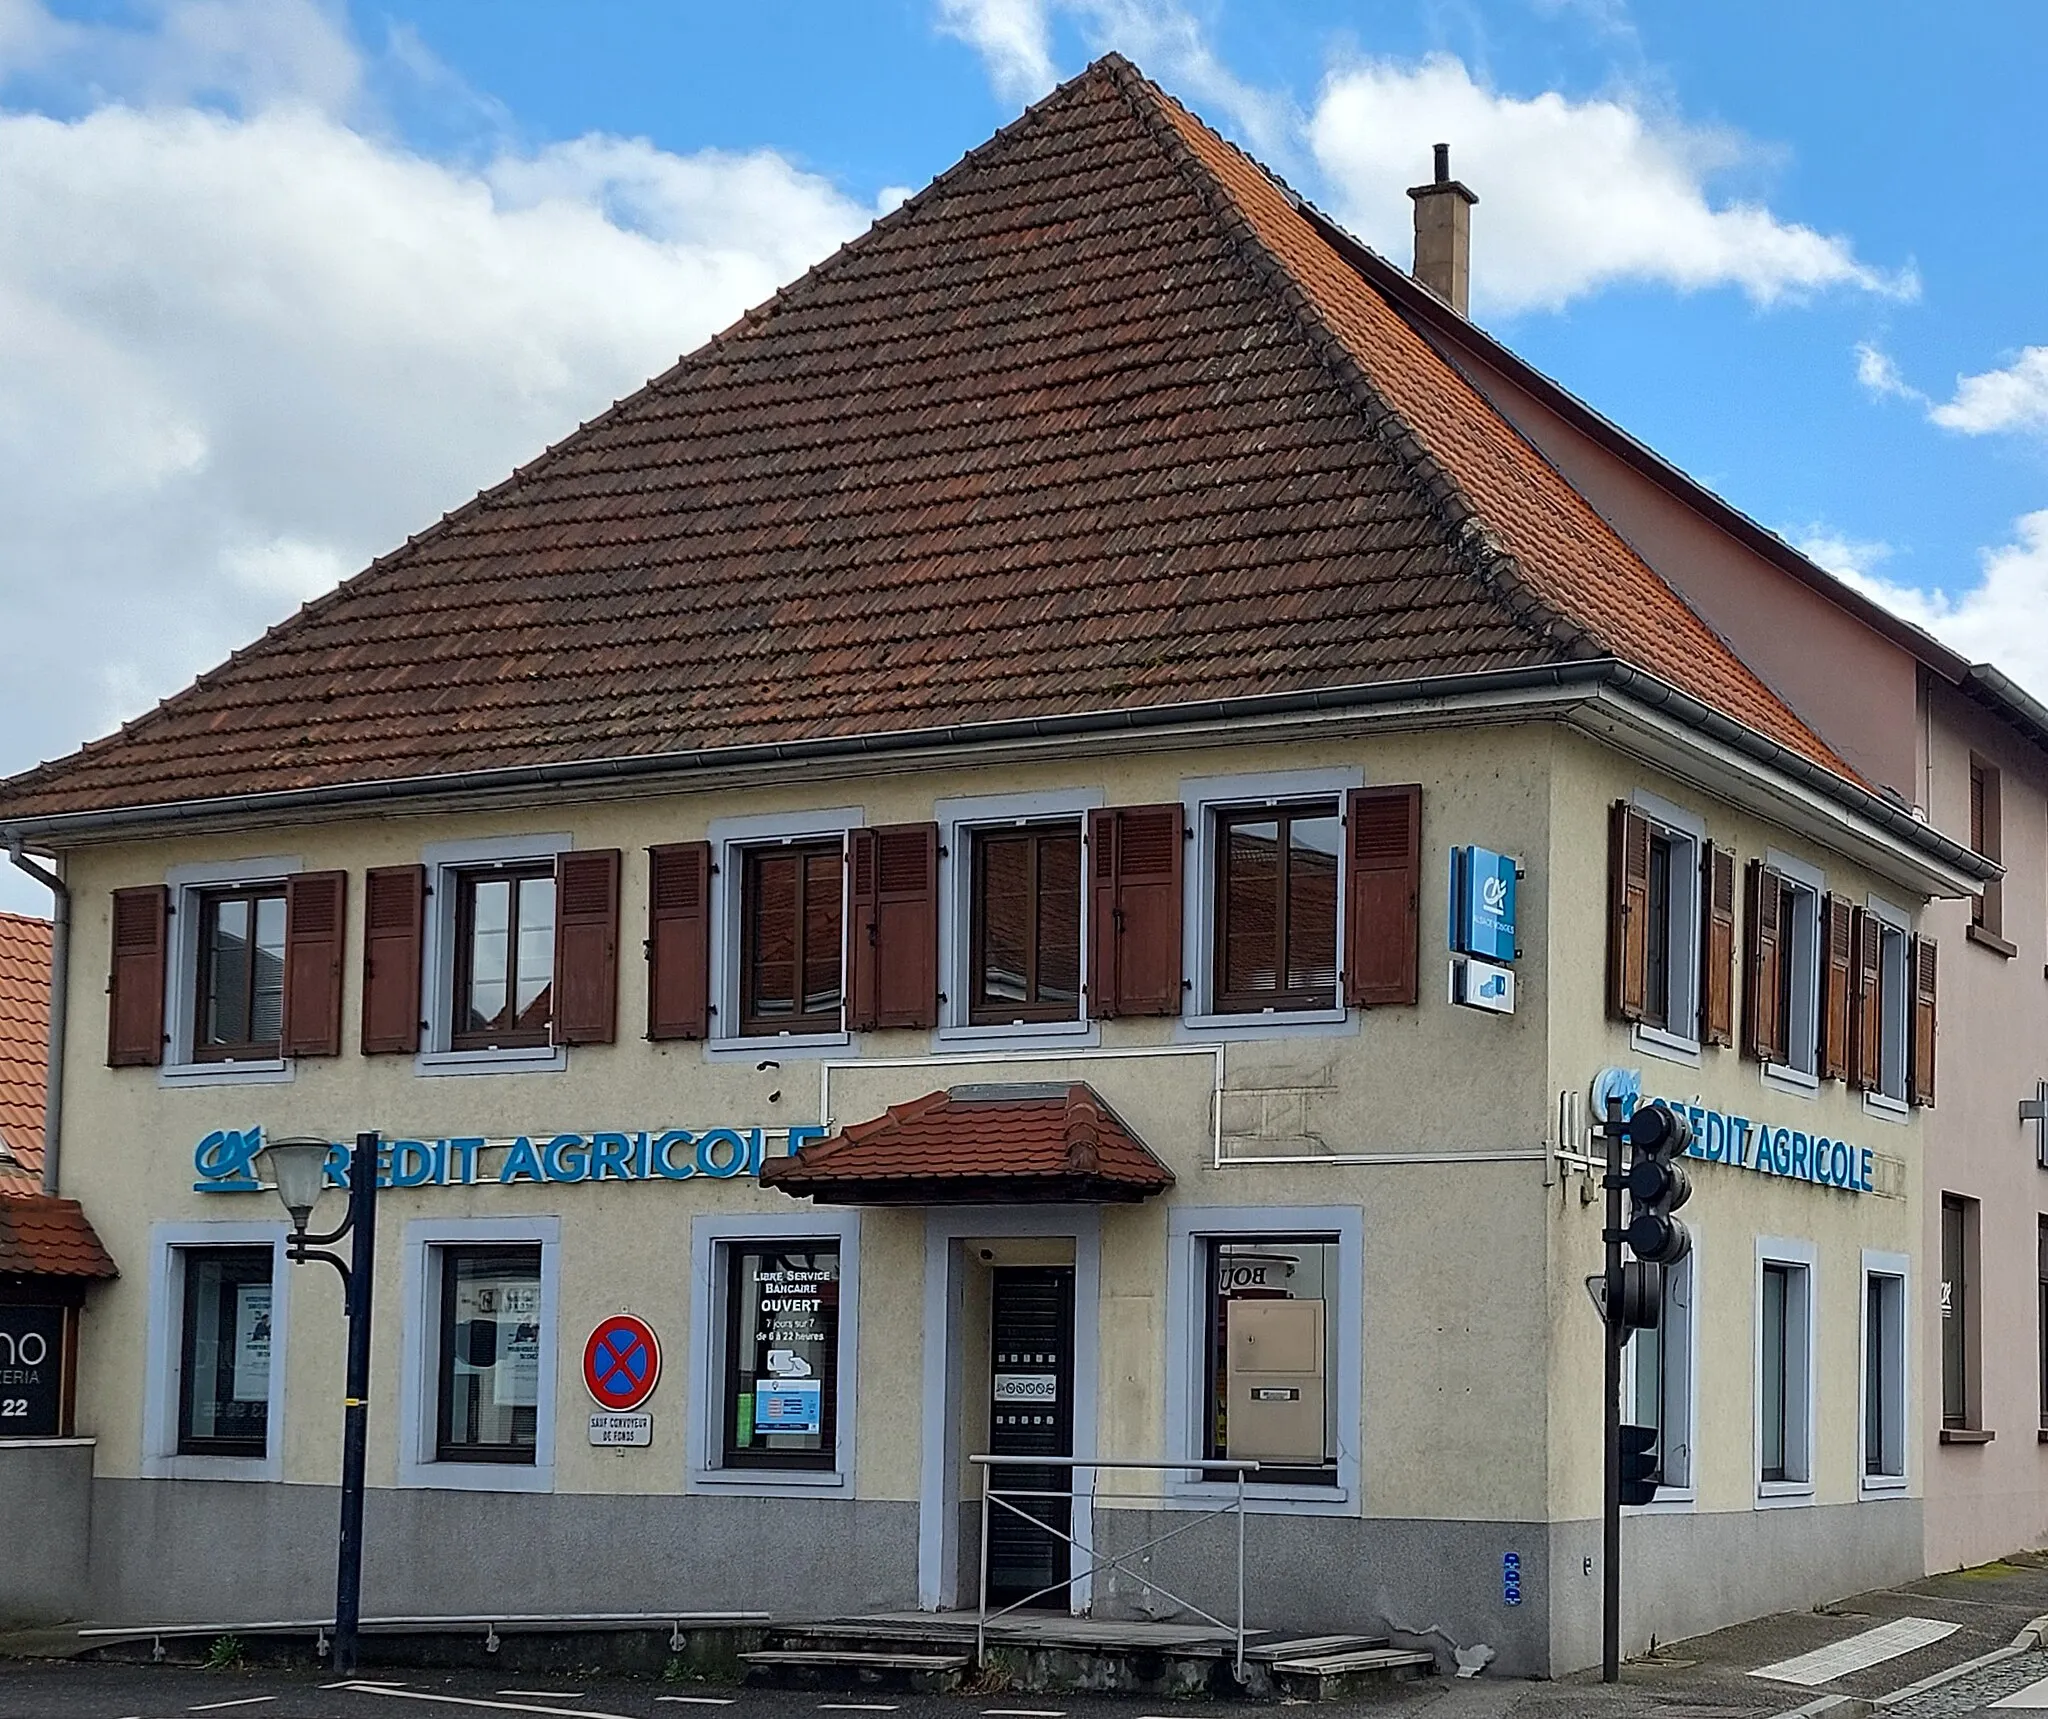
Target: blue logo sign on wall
1482 915
1511 1578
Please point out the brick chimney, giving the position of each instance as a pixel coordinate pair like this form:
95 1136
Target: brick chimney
1443 234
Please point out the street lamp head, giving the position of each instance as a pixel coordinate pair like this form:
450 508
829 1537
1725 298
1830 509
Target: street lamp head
298 1165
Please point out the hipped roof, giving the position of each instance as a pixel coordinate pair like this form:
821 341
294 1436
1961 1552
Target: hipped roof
1099 421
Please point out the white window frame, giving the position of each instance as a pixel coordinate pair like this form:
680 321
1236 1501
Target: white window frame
1201 799
1681 1395
1189 1232
164 1356
1801 1367
729 838
703 1434
959 822
443 860
1801 946
181 973
1682 933
419 1379
1895 988
1898 1267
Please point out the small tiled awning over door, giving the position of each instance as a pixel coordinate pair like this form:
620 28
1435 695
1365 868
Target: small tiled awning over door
42 1237
978 1145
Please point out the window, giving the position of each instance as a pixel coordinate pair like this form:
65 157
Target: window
2041 1313
1782 995
1671 928
504 957
1884 1375
1661 1386
1895 1009
1271 1355
239 1003
1276 908
780 1397
1799 974
489 1347
1784 1376
791 938
224 1352
1958 1312
1657 992
1986 818
1025 937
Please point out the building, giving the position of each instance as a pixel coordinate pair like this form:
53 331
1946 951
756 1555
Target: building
1151 812
24 1049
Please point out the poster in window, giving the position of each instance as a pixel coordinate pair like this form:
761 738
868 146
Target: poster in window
785 1340
497 1318
252 1343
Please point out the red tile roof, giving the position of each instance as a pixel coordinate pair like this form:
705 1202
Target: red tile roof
24 1049
974 1145
45 1237
1098 421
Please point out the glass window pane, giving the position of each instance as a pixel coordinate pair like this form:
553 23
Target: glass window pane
534 975
1954 1316
490 910
490 1353
823 875
224 1352
1657 974
1251 874
1312 904
1774 1382
772 933
225 926
266 982
1059 919
782 1360
1272 1338
1006 908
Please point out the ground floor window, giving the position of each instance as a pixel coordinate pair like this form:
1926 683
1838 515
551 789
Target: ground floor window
489 1346
1958 1311
224 1351
1784 1345
1271 1354
1884 1375
1661 1386
780 1393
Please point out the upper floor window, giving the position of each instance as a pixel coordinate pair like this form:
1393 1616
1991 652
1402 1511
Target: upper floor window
239 974
1671 927
504 957
1987 910
1784 958
792 938
1276 908
1025 939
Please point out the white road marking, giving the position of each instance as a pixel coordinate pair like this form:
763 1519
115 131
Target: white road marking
546 1694
1023 1713
699 1700
2034 1695
1858 1652
479 1701
856 1707
245 1701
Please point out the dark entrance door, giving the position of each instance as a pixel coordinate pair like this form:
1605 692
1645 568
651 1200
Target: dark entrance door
1031 1413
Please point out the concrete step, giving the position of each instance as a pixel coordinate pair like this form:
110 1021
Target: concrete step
855 1669
1345 1676
1307 1646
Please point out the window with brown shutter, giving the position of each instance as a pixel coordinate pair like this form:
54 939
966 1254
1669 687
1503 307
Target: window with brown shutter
504 978
1839 952
1628 912
1024 937
1383 887
238 980
586 959
1134 925
394 905
1866 1002
135 981
1276 908
679 941
895 895
315 914
1923 964
1987 911
1717 947
1763 967
792 945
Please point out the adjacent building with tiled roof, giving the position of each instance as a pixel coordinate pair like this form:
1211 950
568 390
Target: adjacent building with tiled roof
1042 850
24 1049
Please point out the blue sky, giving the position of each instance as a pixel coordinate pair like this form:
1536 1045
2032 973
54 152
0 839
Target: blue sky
281 280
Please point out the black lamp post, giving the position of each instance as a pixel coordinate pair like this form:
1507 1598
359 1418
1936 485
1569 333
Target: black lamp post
299 1167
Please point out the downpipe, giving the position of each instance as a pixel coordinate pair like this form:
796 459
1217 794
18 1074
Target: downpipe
60 996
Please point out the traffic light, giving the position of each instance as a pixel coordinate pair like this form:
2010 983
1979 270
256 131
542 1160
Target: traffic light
1657 1186
1638 1465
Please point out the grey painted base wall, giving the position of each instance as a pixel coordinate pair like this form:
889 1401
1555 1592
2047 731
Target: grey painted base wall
46 1498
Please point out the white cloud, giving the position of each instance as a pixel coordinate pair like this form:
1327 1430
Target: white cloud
1576 195
1879 375
247 345
2015 398
1013 38
1997 620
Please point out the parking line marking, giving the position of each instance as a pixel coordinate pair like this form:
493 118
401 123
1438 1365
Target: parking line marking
2034 1695
856 1707
1023 1713
479 1701
546 1694
1858 1652
245 1701
699 1700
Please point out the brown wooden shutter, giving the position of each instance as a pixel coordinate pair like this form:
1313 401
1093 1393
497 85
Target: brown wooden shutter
1628 912
679 941
1382 909
1837 985
1866 1003
1763 1030
315 917
586 1000
894 932
1134 925
1717 946
1923 974
135 983
394 910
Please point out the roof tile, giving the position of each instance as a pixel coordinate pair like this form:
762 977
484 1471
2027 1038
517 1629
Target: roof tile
24 1048
45 1237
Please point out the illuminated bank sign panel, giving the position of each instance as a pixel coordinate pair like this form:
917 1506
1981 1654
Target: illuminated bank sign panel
1482 929
1722 1137
225 1160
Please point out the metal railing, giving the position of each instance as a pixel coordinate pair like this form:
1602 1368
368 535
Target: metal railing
1001 1498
